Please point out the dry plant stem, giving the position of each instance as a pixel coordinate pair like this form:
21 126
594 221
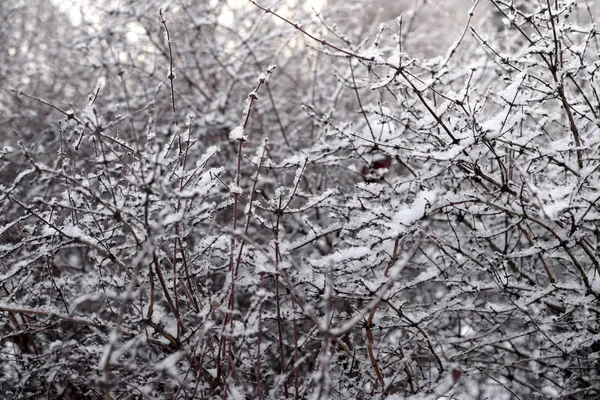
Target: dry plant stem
259 389
540 255
587 248
572 124
251 98
369 336
557 50
171 75
120 74
227 343
360 105
279 212
296 355
499 383
585 98
106 358
245 235
248 218
322 364
150 309
50 263
394 257
456 44
183 156
561 89
278 305
250 205
190 289
281 127
400 42
188 80
69 114
165 288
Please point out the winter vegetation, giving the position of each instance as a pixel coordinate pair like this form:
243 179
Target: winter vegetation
261 200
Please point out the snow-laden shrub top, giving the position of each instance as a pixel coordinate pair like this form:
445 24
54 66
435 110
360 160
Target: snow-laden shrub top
272 208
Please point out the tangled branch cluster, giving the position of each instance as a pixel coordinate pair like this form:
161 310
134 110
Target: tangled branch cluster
353 223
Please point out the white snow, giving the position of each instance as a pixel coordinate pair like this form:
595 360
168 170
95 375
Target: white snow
238 133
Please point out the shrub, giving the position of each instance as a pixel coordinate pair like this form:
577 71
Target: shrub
268 209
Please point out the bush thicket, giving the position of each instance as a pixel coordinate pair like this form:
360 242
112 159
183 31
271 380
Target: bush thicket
205 201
